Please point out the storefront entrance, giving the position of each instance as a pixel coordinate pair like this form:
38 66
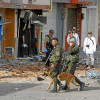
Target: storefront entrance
28 47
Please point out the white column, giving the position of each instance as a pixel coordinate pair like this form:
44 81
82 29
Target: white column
84 25
15 36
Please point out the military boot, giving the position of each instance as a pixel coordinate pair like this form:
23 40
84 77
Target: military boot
82 85
55 85
53 91
64 87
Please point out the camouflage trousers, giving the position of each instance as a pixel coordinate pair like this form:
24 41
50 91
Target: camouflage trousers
53 75
71 67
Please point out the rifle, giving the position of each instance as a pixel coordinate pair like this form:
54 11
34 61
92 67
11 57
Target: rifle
49 56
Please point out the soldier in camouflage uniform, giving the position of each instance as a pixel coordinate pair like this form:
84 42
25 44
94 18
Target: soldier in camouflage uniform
73 57
55 60
72 60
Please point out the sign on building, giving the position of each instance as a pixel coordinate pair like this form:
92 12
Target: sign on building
83 1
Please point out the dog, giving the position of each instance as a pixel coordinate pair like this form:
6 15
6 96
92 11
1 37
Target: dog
69 78
63 76
47 73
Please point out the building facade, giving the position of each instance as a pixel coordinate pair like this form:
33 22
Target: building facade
13 12
59 15
67 14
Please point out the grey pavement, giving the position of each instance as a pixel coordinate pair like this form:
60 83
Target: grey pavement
37 91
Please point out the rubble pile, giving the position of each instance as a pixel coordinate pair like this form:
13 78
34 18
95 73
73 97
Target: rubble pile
26 71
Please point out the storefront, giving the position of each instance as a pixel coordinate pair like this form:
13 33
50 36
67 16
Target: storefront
12 12
75 17
30 35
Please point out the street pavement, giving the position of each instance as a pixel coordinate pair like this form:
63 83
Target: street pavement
37 91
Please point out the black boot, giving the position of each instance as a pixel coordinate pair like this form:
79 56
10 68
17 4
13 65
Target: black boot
60 87
53 91
82 85
63 87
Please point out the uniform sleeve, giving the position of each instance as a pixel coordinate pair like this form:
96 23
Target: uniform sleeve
55 58
46 39
73 50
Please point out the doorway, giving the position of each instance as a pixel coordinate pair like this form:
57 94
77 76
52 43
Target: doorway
27 48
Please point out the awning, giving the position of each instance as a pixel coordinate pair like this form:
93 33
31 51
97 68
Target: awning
41 19
33 17
37 22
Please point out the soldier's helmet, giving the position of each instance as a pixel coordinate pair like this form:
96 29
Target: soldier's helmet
72 40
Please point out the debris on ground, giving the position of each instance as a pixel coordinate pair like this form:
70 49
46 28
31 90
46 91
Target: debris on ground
27 69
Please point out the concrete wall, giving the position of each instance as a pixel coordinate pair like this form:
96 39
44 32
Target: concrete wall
65 27
59 23
38 2
90 22
63 1
51 23
7 1
84 26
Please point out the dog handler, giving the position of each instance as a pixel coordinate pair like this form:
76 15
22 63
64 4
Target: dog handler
72 60
56 65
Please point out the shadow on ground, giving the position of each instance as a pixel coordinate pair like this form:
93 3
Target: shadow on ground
85 89
7 88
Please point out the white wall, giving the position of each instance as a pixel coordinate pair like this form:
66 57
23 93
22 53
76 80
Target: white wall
15 35
7 1
51 23
90 22
65 29
38 2
84 26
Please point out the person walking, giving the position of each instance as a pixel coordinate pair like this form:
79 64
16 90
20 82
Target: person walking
56 65
48 45
89 49
72 59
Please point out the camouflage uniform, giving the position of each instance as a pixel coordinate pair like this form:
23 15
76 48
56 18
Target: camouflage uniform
56 60
72 59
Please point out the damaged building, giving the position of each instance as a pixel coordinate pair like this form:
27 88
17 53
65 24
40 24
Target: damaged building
21 34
